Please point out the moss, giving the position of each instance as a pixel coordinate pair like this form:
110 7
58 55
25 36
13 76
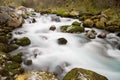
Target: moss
100 25
88 23
79 73
17 58
76 23
23 41
112 28
64 28
75 29
7 48
12 65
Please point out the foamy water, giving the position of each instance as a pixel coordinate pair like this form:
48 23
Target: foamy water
98 55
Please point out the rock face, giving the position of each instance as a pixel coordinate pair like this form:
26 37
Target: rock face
25 41
35 75
83 74
9 17
62 41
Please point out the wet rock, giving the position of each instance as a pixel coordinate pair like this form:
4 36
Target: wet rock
72 29
88 23
7 48
37 75
52 28
55 18
64 28
28 62
102 35
75 29
25 41
83 74
33 20
118 34
91 34
62 41
76 23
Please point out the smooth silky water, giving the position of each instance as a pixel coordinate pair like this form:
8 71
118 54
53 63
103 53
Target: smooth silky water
99 55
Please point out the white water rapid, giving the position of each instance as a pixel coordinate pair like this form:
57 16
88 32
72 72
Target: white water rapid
99 55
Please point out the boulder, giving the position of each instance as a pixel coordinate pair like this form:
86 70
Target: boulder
75 29
118 34
62 41
91 34
112 28
83 74
25 41
4 17
88 23
100 24
102 35
15 22
52 28
64 28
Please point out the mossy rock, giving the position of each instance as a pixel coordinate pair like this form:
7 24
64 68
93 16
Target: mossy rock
100 25
112 28
64 28
62 41
7 48
38 75
12 65
83 74
17 58
76 23
88 23
25 41
75 29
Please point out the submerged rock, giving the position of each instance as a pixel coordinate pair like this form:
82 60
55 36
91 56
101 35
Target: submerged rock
37 75
62 41
53 27
83 74
102 35
28 62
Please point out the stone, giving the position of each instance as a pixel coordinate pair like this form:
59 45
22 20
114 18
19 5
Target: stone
83 74
62 41
4 17
33 20
102 35
88 23
64 28
15 22
25 41
118 34
52 28
91 34
75 29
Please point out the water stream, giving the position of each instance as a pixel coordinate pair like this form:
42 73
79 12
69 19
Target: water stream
99 55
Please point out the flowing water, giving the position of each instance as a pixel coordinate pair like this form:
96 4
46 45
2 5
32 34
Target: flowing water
99 55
